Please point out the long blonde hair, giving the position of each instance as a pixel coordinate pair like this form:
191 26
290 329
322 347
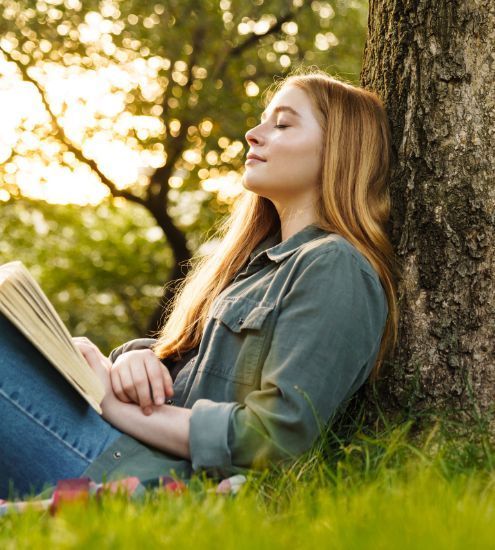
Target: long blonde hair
354 202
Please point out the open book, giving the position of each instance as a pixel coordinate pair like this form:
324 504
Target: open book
25 304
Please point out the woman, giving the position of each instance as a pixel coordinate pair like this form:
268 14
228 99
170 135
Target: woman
267 337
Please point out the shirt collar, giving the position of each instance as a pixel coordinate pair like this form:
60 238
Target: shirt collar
276 250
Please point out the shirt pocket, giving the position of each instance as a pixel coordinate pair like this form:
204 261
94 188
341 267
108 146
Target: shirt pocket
238 339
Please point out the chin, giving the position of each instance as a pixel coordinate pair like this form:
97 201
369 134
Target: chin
256 187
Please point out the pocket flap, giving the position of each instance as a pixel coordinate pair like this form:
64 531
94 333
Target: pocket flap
241 313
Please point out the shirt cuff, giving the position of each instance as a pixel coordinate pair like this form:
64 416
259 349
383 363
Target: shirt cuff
208 434
137 343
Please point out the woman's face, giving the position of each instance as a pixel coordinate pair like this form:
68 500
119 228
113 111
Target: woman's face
290 144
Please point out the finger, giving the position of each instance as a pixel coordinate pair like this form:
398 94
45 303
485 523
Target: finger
82 340
141 382
89 354
154 369
89 351
118 390
169 383
127 382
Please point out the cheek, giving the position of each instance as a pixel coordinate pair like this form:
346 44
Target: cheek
299 160
293 164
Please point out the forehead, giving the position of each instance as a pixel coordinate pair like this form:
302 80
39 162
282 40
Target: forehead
291 100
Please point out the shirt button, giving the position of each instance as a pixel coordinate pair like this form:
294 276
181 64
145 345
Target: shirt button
117 455
241 320
170 402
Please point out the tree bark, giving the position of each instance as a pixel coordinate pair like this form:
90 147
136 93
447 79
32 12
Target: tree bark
432 63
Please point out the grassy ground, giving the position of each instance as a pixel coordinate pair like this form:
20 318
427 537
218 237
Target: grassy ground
393 488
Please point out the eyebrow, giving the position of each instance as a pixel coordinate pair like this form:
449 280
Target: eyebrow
282 108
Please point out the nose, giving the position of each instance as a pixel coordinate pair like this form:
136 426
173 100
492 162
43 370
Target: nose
253 136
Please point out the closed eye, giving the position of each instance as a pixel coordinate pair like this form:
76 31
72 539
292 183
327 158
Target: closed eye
280 126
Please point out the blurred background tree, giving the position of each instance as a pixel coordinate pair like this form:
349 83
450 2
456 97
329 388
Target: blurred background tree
133 115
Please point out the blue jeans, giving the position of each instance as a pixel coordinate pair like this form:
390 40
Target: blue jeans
47 430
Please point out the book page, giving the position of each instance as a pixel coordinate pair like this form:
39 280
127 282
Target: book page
24 303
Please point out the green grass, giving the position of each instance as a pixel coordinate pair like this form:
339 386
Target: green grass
423 483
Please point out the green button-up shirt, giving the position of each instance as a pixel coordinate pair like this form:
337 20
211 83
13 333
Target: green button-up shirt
285 346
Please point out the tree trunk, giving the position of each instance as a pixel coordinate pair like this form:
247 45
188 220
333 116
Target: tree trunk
432 63
178 243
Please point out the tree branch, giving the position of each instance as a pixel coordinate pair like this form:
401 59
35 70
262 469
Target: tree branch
62 136
177 145
235 51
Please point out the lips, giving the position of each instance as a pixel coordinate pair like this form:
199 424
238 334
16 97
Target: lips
254 157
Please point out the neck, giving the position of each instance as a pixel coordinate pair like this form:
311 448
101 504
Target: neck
293 221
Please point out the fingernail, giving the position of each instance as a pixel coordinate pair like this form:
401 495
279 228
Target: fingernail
160 400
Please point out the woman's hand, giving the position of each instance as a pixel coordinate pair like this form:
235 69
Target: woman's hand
98 362
135 373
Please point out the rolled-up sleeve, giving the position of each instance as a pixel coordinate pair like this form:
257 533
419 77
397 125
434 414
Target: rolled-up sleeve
325 340
136 343
208 434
